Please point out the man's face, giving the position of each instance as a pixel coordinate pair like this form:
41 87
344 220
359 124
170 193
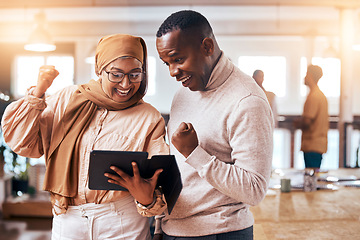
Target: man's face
307 79
186 58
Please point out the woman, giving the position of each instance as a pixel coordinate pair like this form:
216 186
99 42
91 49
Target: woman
105 114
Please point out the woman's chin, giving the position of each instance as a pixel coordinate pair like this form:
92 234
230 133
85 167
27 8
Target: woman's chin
122 97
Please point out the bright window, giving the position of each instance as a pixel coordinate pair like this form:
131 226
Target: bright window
281 152
330 81
274 68
151 90
27 70
355 147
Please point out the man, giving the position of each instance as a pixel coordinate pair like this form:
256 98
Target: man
314 122
258 76
221 134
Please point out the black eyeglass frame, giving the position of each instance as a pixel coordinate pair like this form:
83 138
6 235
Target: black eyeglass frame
142 75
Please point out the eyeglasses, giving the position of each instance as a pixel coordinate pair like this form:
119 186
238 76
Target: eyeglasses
117 77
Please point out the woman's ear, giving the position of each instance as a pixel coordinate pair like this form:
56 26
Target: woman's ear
208 46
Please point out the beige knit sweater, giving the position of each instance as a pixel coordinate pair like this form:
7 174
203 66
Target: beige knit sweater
230 169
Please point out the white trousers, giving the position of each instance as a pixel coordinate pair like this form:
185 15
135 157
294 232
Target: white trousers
110 221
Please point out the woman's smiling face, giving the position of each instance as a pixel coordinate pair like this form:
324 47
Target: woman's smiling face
124 90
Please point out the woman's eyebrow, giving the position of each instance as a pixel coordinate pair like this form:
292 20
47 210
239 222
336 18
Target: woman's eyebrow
119 69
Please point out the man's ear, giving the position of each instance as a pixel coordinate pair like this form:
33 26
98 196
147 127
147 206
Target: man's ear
208 46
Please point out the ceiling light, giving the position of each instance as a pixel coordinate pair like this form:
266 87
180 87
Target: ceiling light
40 40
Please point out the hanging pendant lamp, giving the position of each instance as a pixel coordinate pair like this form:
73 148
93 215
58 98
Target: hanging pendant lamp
40 40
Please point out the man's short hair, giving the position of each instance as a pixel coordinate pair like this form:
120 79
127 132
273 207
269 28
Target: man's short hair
256 72
315 71
185 20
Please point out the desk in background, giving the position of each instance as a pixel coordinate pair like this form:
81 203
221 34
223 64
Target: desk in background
38 206
324 214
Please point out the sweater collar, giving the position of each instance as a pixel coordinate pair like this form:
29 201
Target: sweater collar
220 73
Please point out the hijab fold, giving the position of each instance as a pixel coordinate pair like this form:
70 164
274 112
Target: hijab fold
62 163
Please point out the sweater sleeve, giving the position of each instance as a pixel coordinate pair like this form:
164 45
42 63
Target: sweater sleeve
249 130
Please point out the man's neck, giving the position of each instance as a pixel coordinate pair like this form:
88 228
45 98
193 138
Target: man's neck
313 86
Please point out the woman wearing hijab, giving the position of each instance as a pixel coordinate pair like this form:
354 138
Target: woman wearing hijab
104 114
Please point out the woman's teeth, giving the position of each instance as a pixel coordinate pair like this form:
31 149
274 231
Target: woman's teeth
123 92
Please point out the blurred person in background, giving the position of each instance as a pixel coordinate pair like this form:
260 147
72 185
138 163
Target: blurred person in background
314 122
258 76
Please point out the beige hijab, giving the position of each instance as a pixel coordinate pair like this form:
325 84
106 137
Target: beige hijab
61 177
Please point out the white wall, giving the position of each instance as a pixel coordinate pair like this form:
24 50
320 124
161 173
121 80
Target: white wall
247 30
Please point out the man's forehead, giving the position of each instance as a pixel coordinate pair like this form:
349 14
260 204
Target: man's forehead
176 40
172 43
170 38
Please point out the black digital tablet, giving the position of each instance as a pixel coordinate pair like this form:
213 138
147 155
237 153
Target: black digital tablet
169 180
